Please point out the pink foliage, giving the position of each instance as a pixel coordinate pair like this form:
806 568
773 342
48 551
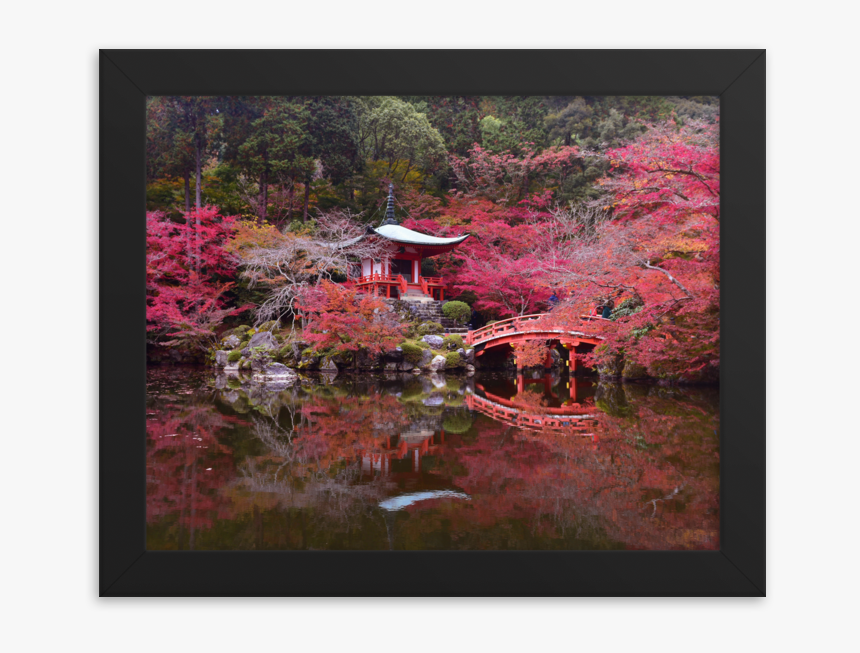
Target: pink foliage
187 272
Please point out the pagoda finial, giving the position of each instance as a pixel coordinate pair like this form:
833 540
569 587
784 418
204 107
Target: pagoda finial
389 211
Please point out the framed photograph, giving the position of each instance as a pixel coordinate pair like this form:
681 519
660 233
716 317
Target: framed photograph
489 321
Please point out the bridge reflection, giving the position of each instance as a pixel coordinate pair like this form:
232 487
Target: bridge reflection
559 405
572 416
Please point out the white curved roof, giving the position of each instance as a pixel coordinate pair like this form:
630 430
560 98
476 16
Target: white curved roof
404 235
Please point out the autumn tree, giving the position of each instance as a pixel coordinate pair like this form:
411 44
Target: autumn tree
344 321
655 252
185 301
509 178
497 263
285 264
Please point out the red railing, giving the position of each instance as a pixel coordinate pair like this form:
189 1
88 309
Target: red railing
521 324
502 327
427 284
580 421
376 277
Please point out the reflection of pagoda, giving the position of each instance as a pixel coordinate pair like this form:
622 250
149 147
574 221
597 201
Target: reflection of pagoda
401 453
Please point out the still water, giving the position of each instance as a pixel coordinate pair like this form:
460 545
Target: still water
405 462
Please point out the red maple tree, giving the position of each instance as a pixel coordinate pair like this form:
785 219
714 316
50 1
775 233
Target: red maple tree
343 321
188 270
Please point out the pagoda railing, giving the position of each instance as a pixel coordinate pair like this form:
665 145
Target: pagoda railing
388 281
377 277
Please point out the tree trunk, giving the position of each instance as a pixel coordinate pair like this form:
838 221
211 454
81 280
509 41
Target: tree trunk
264 197
307 197
198 156
197 203
188 223
197 241
292 196
408 168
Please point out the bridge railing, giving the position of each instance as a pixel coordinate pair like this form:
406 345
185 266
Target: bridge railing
523 323
511 325
571 424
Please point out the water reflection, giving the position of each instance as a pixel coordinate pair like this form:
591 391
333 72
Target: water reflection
429 462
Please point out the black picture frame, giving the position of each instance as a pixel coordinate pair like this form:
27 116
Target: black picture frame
128 76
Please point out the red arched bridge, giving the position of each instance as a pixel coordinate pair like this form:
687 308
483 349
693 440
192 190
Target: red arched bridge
539 326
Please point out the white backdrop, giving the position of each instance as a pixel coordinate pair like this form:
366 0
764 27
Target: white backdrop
49 331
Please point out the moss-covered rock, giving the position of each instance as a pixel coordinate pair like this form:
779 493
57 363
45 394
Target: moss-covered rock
272 325
234 356
452 360
411 352
430 328
453 342
611 366
239 331
633 371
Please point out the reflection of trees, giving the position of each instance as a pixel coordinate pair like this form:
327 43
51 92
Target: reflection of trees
316 460
649 480
652 482
185 468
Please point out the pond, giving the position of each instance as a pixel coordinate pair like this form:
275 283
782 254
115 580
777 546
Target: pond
491 462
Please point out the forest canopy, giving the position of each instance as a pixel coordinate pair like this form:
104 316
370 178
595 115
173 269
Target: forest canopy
610 201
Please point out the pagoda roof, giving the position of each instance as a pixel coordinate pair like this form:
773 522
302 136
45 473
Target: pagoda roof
390 230
398 234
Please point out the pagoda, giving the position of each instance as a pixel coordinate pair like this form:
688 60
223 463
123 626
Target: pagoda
399 275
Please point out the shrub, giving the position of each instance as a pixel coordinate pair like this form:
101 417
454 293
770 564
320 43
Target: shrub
453 342
430 328
452 360
411 352
457 311
239 331
233 356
